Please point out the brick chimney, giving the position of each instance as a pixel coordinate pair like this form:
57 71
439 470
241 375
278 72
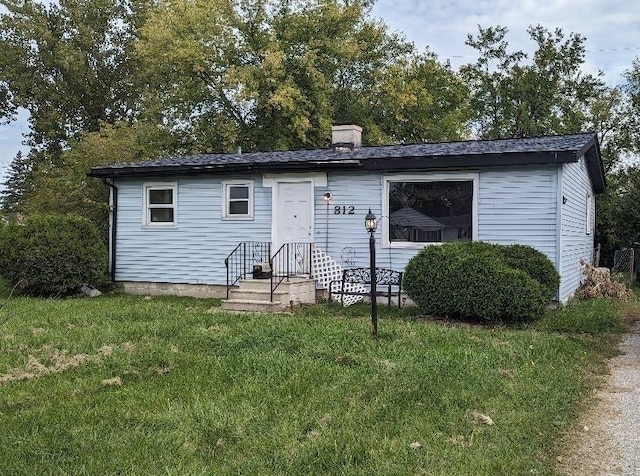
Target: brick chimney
346 137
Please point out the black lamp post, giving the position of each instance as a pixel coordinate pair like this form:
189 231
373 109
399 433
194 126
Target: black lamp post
370 223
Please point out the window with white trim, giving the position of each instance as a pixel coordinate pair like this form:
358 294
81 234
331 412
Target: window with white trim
433 209
160 204
237 199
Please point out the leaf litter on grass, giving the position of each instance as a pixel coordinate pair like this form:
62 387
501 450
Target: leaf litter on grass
54 361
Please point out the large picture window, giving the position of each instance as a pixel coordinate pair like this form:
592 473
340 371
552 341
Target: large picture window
237 200
160 204
430 211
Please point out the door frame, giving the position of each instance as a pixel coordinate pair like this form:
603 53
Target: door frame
275 233
274 181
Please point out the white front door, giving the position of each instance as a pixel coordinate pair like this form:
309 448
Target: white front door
294 213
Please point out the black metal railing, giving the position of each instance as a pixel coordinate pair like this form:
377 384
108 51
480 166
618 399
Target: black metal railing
292 259
240 261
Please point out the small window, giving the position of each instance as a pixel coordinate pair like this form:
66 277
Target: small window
160 204
237 200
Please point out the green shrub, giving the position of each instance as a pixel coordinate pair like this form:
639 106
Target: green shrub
534 263
52 254
465 279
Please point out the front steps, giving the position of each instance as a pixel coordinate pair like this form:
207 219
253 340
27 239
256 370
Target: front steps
255 295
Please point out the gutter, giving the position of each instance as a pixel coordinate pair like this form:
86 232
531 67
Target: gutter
173 170
113 208
374 163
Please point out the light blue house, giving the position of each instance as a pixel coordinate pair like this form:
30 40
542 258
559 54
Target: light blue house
176 221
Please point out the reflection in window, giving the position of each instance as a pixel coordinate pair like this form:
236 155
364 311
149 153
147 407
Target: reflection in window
428 212
238 200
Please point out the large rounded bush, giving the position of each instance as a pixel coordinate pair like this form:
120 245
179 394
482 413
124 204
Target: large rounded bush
52 255
465 279
533 262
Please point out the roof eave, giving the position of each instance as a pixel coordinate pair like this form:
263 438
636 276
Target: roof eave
175 170
475 160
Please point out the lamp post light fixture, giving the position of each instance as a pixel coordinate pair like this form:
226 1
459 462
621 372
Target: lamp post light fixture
370 224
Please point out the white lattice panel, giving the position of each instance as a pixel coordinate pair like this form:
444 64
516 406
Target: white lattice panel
326 269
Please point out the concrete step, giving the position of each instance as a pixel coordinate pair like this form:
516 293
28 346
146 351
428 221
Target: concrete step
251 305
255 295
258 295
261 284
257 284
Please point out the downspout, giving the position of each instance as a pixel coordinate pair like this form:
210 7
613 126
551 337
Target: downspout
113 208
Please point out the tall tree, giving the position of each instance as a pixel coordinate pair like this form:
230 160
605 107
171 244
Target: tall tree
618 219
70 64
7 107
632 89
19 181
274 74
515 95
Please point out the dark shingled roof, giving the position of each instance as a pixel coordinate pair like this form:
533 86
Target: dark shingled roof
432 156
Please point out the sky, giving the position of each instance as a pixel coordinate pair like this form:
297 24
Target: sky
611 28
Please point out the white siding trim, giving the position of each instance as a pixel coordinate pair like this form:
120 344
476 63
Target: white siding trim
317 179
428 177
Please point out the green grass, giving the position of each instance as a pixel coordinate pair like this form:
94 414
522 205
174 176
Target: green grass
593 316
207 392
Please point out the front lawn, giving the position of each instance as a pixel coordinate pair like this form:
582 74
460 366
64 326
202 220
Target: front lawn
127 385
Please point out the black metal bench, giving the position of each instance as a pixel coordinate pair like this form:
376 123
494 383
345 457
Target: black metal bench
388 284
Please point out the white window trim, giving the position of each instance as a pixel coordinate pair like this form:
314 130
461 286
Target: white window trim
146 209
226 184
453 177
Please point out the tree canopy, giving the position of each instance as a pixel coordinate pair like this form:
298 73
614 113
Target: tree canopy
69 64
618 215
514 94
275 74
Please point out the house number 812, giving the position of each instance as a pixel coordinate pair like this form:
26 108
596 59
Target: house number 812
338 210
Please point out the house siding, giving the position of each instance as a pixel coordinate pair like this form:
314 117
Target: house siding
518 205
515 205
193 251
344 232
577 245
